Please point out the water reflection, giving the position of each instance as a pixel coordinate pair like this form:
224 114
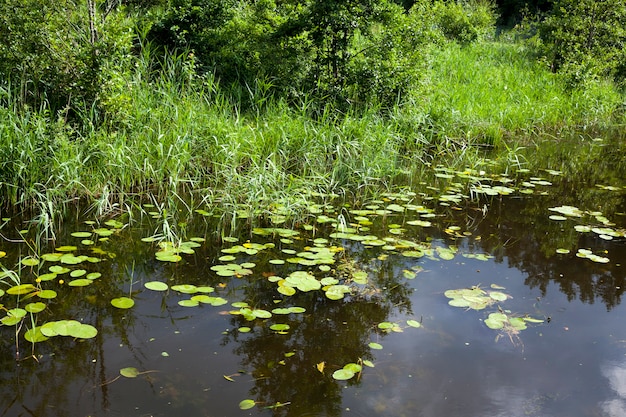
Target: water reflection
452 366
616 374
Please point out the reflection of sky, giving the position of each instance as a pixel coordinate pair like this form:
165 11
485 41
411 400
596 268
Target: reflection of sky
454 367
616 374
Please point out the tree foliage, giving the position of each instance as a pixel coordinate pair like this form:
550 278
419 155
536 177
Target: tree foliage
585 39
54 51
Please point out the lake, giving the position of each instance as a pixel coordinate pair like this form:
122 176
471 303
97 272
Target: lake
484 291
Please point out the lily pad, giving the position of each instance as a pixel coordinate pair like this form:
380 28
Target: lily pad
343 374
156 286
246 404
129 372
122 302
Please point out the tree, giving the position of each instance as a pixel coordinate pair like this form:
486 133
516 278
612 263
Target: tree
53 51
586 38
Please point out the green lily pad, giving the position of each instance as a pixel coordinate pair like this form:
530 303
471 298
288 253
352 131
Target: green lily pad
81 282
30 261
246 404
188 303
122 302
47 277
21 289
47 294
156 286
34 335
343 374
35 307
185 288
129 372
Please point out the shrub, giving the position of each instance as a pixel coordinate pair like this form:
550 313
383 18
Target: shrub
465 21
53 51
586 39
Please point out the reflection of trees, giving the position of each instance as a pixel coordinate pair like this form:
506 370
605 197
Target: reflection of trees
519 230
70 374
333 332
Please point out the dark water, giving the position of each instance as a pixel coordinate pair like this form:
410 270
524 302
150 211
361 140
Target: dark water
194 362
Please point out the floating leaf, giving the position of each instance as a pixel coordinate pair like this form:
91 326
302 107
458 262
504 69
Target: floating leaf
185 288
81 282
70 328
262 314
156 286
30 261
375 345
188 303
246 404
35 307
343 374
93 275
47 294
57 269
34 335
498 296
129 372
413 323
21 289
122 302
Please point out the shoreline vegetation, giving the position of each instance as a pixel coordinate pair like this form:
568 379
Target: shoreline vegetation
164 131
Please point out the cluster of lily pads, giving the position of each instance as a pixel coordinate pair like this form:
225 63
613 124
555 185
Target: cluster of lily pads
602 228
64 270
476 298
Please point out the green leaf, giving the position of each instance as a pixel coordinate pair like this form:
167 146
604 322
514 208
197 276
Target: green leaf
129 372
156 286
35 307
21 289
343 374
34 335
246 404
122 302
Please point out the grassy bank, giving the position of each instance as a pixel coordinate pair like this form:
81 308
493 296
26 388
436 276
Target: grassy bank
176 139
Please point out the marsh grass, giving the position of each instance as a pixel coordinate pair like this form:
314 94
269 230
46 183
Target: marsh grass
171 137
494 91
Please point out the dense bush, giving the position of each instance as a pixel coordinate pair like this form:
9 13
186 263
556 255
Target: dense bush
465 21
585 39
53 51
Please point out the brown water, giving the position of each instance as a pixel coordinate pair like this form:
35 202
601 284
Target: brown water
194 361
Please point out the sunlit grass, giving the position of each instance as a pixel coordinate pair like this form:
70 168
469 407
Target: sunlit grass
491 91
185 143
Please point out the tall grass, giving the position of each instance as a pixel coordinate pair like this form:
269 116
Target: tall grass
172 137
491 91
